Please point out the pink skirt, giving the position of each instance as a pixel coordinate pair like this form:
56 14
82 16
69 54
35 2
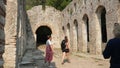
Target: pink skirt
49 54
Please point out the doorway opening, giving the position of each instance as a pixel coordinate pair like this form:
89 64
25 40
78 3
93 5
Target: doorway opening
75 35
101 13
86 31
42 32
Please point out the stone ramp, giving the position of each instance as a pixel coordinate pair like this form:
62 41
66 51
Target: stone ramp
31 58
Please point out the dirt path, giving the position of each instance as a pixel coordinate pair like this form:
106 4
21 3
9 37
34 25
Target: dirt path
82 62
79 60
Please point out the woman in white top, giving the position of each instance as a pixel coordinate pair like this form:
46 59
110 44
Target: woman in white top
49 50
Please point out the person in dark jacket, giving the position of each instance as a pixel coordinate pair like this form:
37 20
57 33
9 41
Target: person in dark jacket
65 49
112 49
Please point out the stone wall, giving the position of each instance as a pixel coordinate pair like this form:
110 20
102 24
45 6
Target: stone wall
2 32
21 38
81 10
75 21
15 32
10 34
49 17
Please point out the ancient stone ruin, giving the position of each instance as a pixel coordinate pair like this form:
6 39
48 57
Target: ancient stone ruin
87 23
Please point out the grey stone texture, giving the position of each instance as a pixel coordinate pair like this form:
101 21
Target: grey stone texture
2 32
10 34
81 21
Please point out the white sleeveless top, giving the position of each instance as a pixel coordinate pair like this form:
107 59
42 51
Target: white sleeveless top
48 42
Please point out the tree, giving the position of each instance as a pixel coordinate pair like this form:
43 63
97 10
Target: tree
58 4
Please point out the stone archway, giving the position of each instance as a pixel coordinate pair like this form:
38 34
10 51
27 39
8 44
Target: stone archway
75 35
63 29
101 32
86 31
68 31
86 23
41 34
101 14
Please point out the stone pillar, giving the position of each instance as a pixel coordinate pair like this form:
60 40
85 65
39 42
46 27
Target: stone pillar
75 38
2 33
84 37
95 46
80 42
10 34
21 33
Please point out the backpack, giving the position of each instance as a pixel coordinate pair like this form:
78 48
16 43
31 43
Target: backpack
63 45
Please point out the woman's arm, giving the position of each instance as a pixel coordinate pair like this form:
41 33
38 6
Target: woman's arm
52 48
67 45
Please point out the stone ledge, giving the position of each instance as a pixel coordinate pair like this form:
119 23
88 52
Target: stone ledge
2 6
1 62
2 12
2 41
26 62
1 27
2 20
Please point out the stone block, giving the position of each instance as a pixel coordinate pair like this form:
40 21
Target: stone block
2 20
2 34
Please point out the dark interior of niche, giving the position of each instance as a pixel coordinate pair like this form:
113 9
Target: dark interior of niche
91 4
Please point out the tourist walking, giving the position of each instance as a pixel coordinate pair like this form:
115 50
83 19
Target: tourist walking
65 49
112 49
49 50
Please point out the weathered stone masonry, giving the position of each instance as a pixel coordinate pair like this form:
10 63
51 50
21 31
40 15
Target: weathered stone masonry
51 18
87 35
2 33
81 21
10 34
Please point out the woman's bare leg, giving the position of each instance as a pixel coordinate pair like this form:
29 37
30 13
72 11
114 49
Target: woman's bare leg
63 57
67 56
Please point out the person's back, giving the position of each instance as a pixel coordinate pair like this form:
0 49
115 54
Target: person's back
63 45
112 49
115 50
65 50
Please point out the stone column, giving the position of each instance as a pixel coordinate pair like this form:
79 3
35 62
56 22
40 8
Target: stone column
75 37
21 32
95 44
10 34
2 33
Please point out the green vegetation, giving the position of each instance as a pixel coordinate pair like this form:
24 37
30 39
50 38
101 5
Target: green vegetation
58 4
